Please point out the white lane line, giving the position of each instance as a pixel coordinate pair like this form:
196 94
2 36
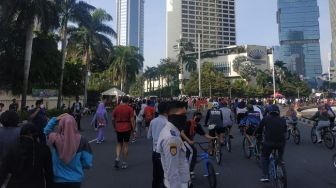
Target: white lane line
93 140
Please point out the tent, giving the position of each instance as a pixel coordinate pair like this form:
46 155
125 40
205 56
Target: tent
113 92
277 95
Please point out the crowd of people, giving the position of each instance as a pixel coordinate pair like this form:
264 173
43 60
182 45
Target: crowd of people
50 152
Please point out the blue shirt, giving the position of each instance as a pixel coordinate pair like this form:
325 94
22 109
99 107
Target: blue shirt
155 127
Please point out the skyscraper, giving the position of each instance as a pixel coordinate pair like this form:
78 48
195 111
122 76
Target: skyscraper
299 36
332 8
215 20
130 23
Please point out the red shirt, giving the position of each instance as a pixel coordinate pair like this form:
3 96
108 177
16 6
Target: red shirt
122 115
149 113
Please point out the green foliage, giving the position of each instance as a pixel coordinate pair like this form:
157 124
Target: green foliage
137 89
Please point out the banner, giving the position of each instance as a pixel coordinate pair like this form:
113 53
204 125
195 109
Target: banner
44 93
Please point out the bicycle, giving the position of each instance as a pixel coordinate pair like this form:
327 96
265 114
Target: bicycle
294 132
255 151
227 139
209 170
326 135
216 145
277 171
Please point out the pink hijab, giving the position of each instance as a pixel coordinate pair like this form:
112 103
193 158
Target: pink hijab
66 139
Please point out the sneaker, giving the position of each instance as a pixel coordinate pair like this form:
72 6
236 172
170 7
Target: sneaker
231 137
334 129
192 175
124 165
319 141
98 142
264 179
133 140
116 164
102 140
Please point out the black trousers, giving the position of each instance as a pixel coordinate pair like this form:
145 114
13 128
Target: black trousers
193 159
78 120
67 185
157 171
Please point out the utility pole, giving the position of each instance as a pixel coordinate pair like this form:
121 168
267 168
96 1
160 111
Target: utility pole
199 66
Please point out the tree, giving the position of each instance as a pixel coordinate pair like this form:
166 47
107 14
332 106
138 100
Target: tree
26 14
77 12
136 89
237 62
182 57
91 39
126 63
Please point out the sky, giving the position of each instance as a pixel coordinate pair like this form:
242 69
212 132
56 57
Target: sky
256 24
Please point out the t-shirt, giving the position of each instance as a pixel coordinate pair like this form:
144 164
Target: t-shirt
149 113
40 120
192 128
122 115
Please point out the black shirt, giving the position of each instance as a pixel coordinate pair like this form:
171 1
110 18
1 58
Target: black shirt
191 133
275 129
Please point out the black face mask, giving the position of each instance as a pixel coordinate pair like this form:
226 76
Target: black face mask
178 121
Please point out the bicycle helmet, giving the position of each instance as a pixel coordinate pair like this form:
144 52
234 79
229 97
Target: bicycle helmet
215 105
274 109
250 107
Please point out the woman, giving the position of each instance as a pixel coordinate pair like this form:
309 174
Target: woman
71 153
28 162
100 121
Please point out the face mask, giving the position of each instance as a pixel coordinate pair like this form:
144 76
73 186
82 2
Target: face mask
41 106
178 120
197 119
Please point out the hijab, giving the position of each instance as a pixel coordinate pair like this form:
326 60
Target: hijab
66 139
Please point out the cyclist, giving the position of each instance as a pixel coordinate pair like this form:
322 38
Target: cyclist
274 128
188 134
241 110
214 120
291 115
251 121
228 117
323 121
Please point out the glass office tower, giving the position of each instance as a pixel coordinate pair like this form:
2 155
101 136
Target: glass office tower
299 36
130 23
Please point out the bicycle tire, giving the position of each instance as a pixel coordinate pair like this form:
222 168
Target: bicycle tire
217 151
211 175
329 139
228 144
281 176
247 151
334 160
313 135
288 134
297 136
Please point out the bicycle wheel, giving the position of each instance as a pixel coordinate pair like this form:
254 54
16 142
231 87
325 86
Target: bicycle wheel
313 135
218 152
329 139
297 136
281 176
228 144
246 148
334 160
211 175
288 134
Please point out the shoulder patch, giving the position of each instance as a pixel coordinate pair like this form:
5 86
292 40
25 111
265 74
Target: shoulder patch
173 149
173 133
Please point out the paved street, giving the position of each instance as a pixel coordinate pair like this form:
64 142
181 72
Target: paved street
308 165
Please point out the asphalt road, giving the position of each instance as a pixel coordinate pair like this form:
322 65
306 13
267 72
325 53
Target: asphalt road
308 165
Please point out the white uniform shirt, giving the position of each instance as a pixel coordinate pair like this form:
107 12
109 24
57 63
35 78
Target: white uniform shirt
173 157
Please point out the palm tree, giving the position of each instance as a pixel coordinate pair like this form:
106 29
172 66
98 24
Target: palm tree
90 39
182 57
126 64
75 11
29 15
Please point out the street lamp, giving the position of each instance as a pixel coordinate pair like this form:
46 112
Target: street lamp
199 66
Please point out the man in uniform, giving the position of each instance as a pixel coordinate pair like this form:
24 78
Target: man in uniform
171 148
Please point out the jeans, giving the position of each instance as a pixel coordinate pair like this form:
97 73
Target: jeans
320 125
266 152
100 134
157 171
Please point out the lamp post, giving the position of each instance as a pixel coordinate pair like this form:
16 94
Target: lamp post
273 74
199 66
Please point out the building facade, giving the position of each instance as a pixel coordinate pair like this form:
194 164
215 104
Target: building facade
332 8
215 20
130 23
299 36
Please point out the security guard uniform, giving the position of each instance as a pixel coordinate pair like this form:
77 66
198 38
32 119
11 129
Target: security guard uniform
173 157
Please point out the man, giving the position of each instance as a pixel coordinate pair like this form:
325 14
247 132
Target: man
275 129
323 118
171 148
250 122
39 119
14 106
149 114
228 116
155 127
214 118
76 112
123 122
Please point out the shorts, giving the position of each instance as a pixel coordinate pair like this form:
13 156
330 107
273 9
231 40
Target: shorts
123 136
217 130
250 130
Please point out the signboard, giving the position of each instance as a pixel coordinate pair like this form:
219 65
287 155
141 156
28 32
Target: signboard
44 93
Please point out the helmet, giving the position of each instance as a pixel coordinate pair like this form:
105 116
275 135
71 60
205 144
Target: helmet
215 105
274 109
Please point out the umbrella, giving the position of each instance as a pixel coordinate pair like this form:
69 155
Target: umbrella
114 91
277 95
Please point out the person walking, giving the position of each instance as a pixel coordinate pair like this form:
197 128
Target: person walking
155 127
71 153
76 112
28 162
123 122
39 118
100 121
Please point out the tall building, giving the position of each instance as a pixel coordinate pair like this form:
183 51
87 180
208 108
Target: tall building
299 36
332 7
215 20
130 23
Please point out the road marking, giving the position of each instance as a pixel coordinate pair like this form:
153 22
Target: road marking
93 140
